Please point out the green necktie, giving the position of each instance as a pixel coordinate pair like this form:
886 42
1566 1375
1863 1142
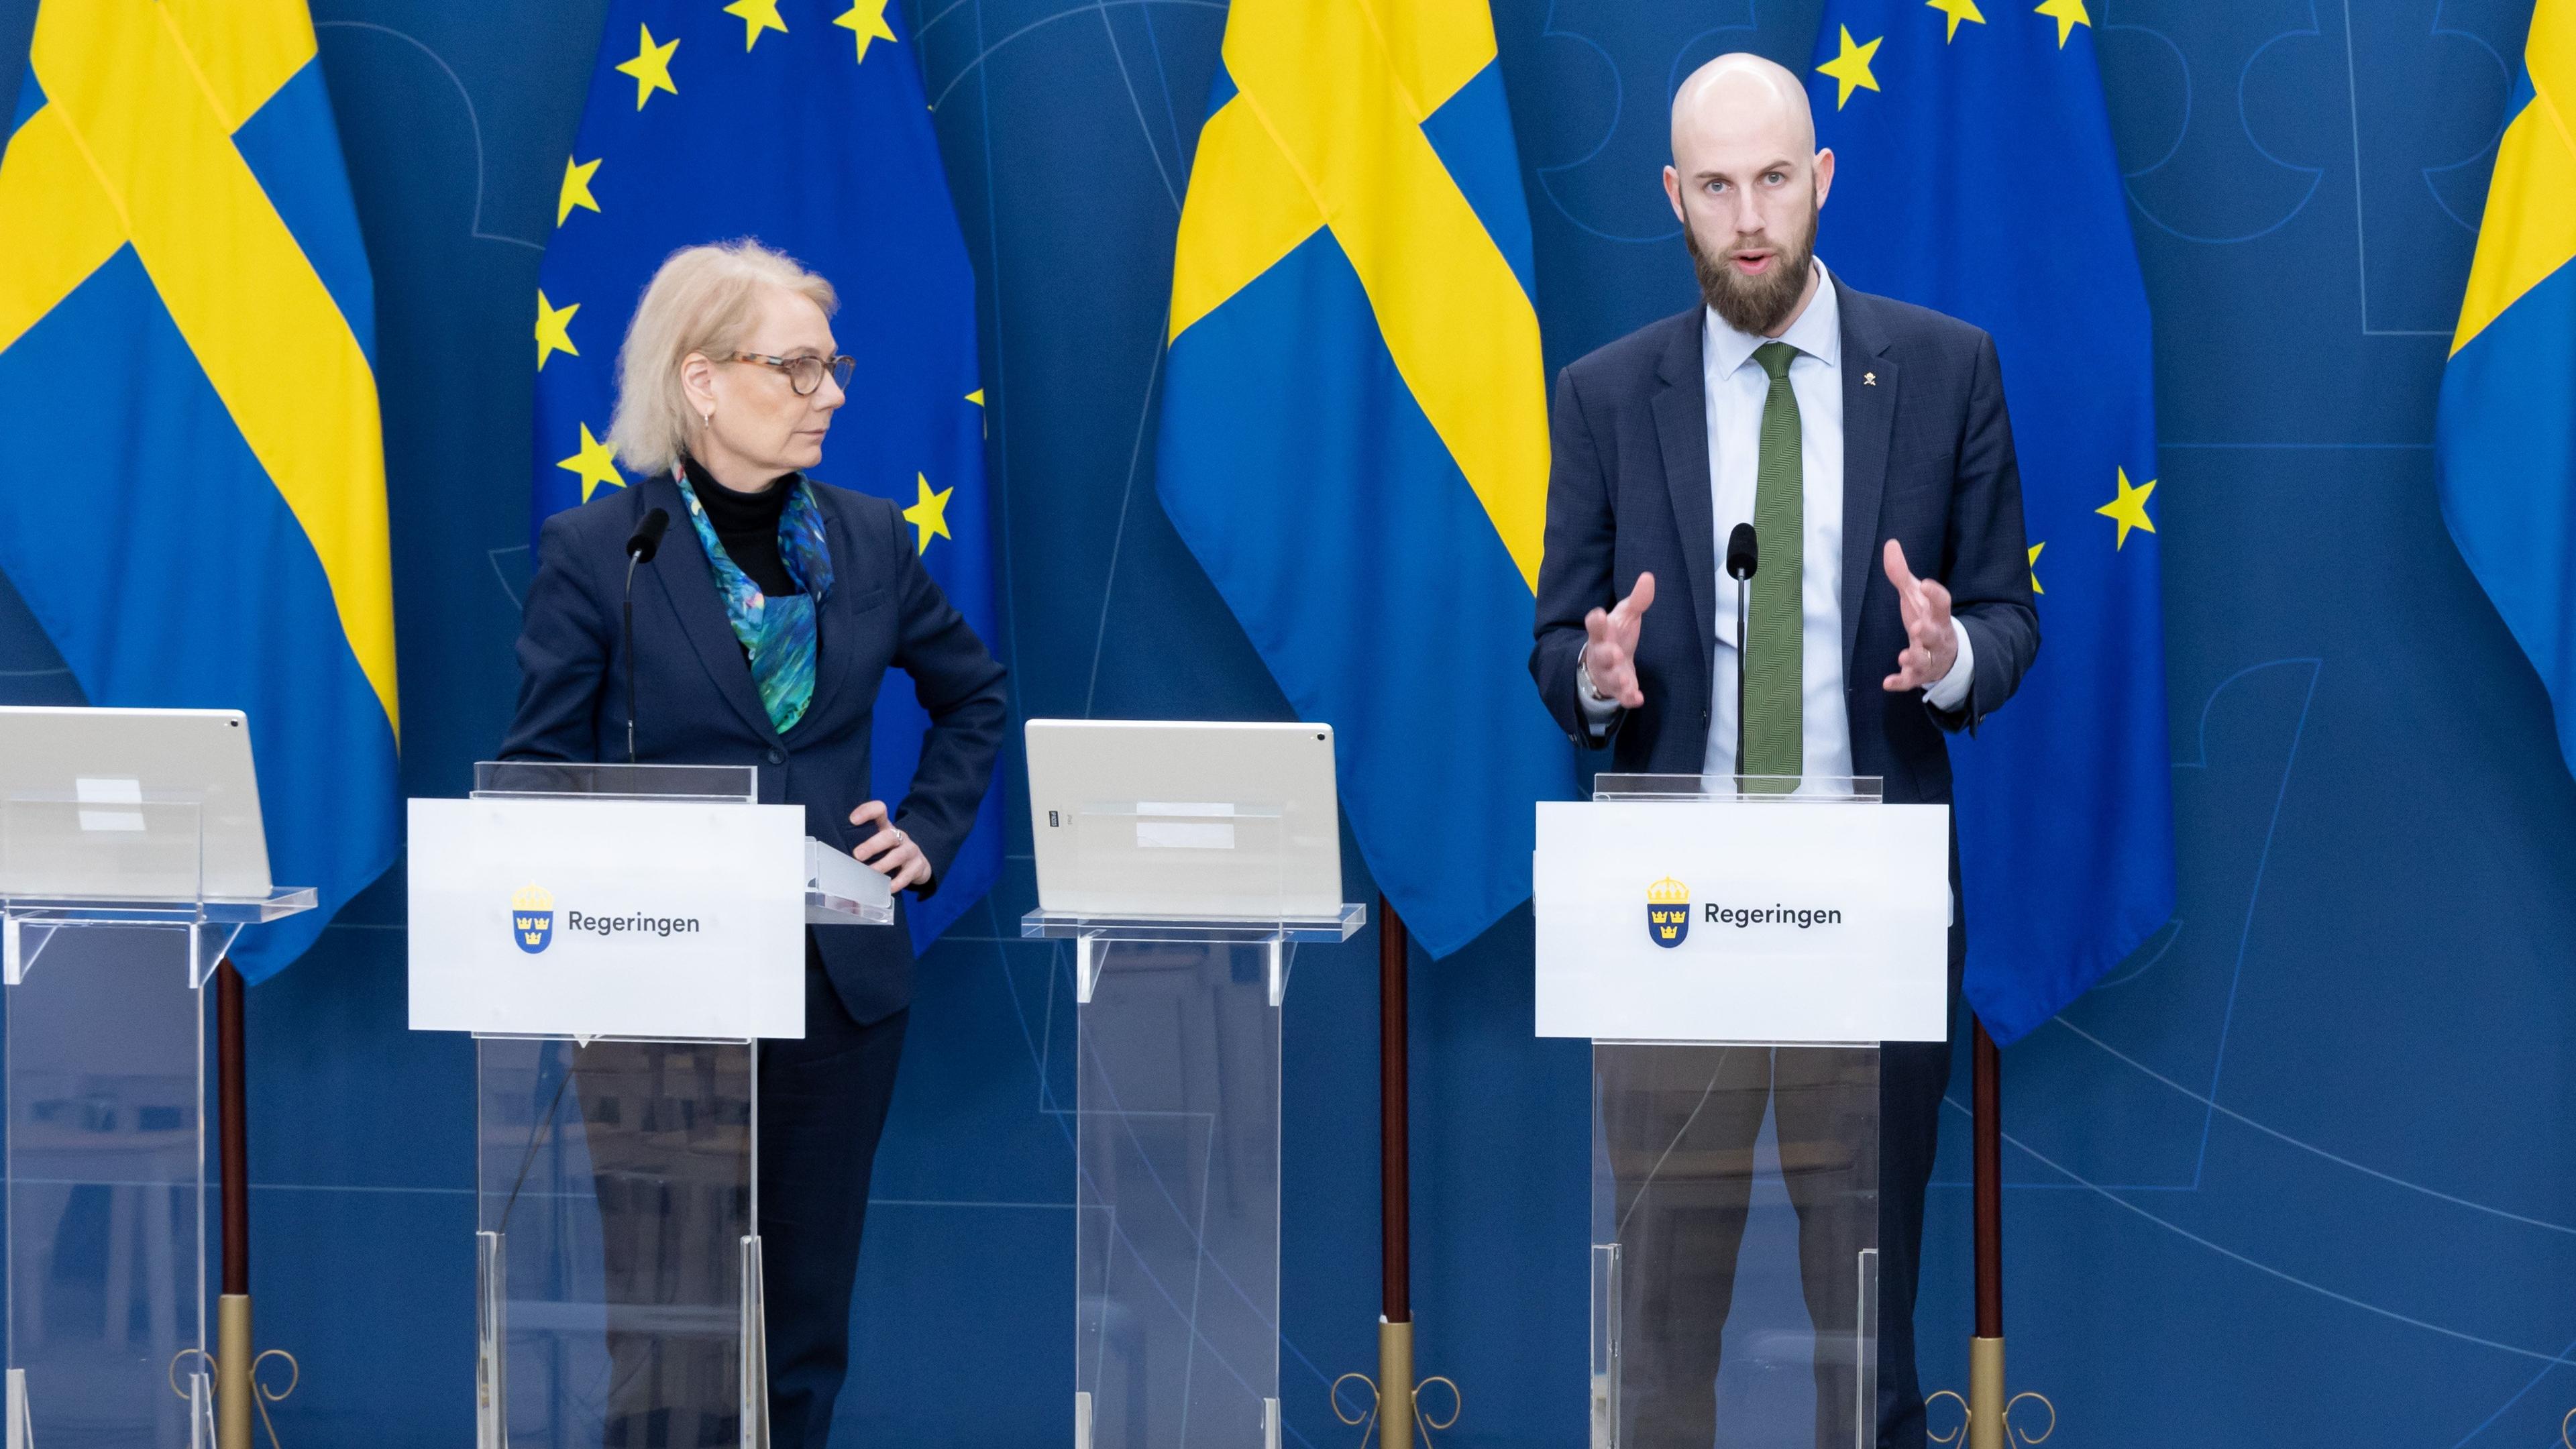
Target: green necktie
1773 659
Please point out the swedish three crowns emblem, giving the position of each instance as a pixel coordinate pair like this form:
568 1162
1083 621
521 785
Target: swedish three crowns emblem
532 918
1667 912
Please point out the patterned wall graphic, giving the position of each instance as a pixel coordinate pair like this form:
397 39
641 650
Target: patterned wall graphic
2301 1174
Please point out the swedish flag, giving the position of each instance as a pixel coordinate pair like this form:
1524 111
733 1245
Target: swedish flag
2505 435
1976 176
802 123
1354 436
187 381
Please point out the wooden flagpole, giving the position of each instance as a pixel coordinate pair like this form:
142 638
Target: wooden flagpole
1395 1318
232 1310
1986 1404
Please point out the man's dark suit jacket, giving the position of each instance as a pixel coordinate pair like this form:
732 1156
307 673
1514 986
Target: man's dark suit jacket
696 704
1927 461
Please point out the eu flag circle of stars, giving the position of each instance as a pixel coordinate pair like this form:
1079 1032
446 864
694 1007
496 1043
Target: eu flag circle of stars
594 463
1850 72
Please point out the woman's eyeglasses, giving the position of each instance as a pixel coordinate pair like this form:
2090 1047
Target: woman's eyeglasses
804 374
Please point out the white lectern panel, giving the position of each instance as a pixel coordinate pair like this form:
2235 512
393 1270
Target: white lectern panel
1742 920
596 917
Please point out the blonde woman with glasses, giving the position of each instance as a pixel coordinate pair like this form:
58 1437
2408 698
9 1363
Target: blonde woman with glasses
763 629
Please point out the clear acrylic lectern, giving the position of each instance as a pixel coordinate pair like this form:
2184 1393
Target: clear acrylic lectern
617 1216
1734 1211
107 937
1176 1152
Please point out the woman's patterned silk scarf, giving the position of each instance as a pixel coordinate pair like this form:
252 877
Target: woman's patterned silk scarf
777 633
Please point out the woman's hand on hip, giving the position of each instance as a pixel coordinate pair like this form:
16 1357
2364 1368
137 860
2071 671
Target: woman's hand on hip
890 852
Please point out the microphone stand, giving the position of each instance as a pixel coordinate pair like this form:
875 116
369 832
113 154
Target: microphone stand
632 559
640 549
1743 656
1743 561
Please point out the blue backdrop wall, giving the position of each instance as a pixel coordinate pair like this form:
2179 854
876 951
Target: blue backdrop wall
2297 1175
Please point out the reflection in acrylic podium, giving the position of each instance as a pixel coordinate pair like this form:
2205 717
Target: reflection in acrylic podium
1176 1152
617 1249
1176 1176
118 898
1736 956
618 938
1692 1205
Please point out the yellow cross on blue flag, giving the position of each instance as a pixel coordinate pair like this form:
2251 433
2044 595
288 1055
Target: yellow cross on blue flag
1975 175
801 123
1354 436
187 381
2505 435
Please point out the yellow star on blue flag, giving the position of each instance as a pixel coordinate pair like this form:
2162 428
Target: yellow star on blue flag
929 514
554 330
2128 508
2068 14
575 190
1956 11
756 16
651 66
1849 67
866 20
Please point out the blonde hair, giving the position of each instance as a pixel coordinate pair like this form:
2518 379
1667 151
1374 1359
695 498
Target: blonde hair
704 299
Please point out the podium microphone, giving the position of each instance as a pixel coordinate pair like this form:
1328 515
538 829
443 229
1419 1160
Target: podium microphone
1743 556
640 548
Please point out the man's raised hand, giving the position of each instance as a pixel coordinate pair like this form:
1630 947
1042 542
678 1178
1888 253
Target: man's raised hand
1930 645
1610 645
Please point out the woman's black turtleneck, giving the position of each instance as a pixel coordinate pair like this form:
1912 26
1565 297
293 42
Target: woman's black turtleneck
747 525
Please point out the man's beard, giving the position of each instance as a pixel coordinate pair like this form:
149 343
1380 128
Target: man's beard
1756 304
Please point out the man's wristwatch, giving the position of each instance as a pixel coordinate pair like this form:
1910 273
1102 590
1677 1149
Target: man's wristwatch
1583 679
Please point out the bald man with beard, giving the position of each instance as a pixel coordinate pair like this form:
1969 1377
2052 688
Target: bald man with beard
1866 441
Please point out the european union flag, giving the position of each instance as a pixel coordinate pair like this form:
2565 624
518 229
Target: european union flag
2505 437
1355 425
1975 175
187 383
801 123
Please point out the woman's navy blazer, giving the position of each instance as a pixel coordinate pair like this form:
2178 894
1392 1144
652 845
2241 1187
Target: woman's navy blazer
696 704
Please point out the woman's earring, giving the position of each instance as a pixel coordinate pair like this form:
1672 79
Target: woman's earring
707 418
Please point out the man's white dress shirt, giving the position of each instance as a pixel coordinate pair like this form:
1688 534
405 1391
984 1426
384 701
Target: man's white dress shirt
1736 388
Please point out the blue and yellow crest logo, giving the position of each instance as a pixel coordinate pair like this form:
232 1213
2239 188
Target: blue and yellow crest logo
532 918
1667 912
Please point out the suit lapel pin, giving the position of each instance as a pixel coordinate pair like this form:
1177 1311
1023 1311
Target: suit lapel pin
1869 379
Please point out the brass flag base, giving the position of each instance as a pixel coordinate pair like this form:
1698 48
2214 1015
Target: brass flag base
1988 1408
232 1371
1395 1384
1986 1394
1396 1419
1989 1423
